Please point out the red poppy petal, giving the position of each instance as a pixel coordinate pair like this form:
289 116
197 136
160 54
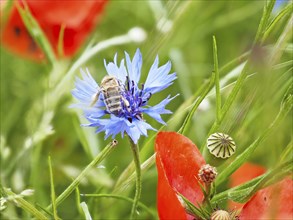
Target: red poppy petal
246 172
79 18
178 162
168 205
16 37
273 202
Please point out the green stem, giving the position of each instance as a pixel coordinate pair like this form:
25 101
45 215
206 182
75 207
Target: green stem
103 154
285 12
264 21
135 151
143 206
53 196
217 81
25 205
260 182
240 81
286 107
207 195
203 91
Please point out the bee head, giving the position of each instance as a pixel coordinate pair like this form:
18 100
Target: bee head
109 80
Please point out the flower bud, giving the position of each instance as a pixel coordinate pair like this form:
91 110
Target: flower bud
207 173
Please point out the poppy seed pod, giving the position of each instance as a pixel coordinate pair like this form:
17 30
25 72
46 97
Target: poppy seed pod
221 145
220 215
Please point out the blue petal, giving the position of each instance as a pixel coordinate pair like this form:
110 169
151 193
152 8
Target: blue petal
156 111
139 128
134 66
117 71
159 77
85 90
115 125
94 113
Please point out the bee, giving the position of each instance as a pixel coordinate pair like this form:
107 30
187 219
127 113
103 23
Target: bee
111 89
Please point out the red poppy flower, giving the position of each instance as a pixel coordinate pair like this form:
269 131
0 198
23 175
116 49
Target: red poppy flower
273 202
246 172
78 17
178 162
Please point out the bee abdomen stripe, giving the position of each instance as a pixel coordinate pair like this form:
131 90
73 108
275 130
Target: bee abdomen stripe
115 109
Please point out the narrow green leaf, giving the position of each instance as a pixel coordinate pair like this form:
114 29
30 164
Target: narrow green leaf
192 209
287 152
282 42
140 204
53 196
243 192
204 90
131 175
282 14
286 106
50 214
217 81
86 211
22 203
268 8
102 155
77 194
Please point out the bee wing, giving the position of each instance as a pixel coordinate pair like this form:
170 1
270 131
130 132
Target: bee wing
95 98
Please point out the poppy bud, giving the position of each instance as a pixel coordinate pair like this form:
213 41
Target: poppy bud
207 173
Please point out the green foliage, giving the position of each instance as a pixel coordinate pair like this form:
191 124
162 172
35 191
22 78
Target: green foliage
242 51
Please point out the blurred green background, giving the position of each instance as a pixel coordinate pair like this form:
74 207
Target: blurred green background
181 31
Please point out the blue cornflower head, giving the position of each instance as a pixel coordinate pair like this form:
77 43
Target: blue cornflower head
118 104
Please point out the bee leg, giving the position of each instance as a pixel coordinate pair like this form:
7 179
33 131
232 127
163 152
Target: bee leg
126 103
95 98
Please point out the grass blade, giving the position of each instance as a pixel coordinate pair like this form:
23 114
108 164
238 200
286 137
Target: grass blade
53 196
141 205
104 153
22 203
217 81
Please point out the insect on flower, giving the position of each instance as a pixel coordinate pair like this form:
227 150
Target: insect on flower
111 89
120 96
